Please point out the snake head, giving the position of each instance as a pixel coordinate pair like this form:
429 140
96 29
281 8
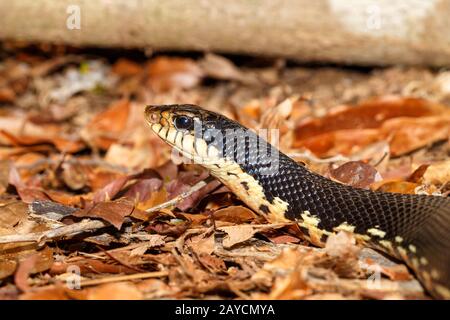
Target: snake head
209 138
197 133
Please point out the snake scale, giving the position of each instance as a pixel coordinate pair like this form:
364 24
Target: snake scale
412 228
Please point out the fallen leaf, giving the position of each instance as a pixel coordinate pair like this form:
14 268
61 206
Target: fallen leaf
114 291
417 175
406 134
56 292
202 244
235 214
106 127
437 173
285 238
125 68
166 73
218 67
109 191
62 143
36 262
5 166
237 234
396 187
112 211
345 142
369 114
356 174
142 190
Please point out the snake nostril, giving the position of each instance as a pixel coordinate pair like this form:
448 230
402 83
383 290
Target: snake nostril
154 118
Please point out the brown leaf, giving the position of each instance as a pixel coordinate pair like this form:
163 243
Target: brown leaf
7 94
37 262
237 234
406 134
56 292
23 271
170 229
184 182
125 68
89 266
369 114
106 127
213 264
166 73
285 238
202 244
344 142
7 268
114 291
437 173
218 67
27 194
112 211
235 214
417 175
109 191
142 190
396 187
74 176
5 166
63 144
356 174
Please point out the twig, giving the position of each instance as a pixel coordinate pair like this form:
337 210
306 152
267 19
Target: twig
181 196
145 275
70 230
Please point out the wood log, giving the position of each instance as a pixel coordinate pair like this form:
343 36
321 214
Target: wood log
361 32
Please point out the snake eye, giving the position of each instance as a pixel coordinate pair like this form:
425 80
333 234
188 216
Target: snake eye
184 123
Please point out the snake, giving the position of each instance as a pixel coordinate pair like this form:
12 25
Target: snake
412 228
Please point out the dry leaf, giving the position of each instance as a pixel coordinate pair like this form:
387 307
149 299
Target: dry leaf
235 214
113 211
237 234
356 174
437 173
167 73
114 291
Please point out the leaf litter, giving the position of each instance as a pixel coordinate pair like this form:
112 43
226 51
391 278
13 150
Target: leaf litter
93 206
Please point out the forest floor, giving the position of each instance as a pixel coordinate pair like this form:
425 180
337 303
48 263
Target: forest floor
84 182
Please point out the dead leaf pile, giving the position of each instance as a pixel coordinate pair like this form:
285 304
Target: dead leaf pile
93 205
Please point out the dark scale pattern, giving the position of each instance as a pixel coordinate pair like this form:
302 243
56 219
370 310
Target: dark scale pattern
421 221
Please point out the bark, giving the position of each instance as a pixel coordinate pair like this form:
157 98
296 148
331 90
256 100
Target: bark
363 32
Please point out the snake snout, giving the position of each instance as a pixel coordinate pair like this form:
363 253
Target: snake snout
153 114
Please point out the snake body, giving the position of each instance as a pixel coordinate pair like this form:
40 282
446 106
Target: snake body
413 228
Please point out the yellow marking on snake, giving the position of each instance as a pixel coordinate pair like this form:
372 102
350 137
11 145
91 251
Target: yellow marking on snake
376 232
398 239
227 171
345 227
435 274
387 245
231 175
311 222
423 261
